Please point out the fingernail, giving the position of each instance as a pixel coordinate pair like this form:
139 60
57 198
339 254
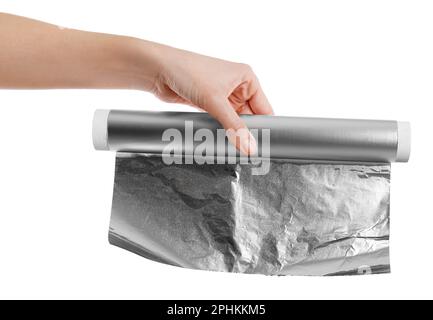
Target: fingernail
244 139
248 144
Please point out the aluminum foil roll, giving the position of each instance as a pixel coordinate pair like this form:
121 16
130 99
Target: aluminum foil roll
290 137
321 209
300 219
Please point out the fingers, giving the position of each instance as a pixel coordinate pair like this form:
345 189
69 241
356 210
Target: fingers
236 130
245 109
259 102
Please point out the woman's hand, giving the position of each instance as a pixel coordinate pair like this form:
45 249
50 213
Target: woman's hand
222 88
37 55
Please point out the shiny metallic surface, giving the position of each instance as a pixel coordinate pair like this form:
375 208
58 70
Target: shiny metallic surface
290 137
299 219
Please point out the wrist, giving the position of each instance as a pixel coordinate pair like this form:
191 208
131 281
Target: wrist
140 63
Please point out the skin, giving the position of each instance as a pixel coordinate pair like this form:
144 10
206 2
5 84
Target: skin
37 55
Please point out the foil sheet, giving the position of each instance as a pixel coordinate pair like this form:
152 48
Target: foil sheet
299 219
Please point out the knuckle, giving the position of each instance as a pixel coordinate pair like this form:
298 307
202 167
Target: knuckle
246 68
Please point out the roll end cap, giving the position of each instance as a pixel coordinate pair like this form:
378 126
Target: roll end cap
404 141
99 129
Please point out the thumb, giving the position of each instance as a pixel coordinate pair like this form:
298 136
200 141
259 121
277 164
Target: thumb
236 130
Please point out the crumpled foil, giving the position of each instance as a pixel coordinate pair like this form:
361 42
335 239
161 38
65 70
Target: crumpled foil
299 219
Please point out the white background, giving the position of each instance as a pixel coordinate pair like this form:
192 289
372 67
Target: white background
348 59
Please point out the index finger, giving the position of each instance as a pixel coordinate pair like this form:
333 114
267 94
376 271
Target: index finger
259 102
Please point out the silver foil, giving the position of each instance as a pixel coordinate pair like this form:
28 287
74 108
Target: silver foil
299 219
290 137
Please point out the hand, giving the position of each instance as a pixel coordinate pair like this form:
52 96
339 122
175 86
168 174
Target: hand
66 58
222 88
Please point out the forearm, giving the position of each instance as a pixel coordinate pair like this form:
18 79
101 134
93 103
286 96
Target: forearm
38 55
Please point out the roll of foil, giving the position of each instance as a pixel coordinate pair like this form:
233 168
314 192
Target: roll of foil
300 219
289 137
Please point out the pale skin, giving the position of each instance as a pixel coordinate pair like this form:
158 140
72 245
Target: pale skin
38 55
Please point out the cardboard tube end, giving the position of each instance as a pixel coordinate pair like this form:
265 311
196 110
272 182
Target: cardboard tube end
99 129
404 137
